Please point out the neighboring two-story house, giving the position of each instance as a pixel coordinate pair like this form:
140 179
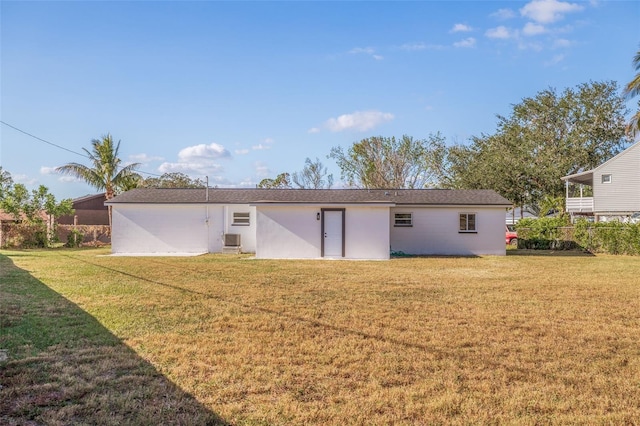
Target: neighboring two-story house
613 188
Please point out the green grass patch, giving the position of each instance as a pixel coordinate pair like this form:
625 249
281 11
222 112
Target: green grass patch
525 338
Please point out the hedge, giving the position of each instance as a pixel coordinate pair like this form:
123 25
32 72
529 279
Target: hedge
557 234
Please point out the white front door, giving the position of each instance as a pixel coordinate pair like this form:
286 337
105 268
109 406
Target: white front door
333 233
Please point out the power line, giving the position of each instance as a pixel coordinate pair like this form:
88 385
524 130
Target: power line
63 148
42 140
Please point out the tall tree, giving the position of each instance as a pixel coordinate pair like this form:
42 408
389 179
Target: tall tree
313 176
106 172
280 182
544 138
632 89
383 162
173 180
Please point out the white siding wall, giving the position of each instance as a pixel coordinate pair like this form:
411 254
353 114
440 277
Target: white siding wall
159 229
294 232
623 193
435 232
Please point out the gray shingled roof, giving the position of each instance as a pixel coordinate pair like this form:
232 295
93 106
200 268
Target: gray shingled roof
311 196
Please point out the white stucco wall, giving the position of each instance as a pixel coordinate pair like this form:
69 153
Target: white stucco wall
294 232
367 233
435 231
165 228
157 228
248 233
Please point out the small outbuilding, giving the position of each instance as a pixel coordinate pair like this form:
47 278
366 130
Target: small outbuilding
309 224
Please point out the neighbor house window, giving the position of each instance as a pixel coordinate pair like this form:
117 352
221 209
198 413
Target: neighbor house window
606 178
468 222
402 219
241 219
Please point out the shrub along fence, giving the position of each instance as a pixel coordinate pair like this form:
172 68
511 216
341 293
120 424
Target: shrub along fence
34 235
558 234
84 235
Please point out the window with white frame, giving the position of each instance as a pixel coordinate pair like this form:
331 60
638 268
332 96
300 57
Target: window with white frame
403 219
241 219
468 222
606 178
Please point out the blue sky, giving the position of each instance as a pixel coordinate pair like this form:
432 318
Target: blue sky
240 91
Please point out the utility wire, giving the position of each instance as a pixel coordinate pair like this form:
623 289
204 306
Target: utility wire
42 140
63 148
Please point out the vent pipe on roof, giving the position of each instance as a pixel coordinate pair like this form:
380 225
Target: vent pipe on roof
207 189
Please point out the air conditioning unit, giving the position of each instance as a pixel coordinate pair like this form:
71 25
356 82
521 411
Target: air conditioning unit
231 240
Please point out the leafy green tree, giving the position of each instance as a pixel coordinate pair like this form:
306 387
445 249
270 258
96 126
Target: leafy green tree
173 180
383 162
6 182
544 138
106 172
280 182
632 89
37 209
313 176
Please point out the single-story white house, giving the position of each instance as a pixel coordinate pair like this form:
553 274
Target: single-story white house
309 223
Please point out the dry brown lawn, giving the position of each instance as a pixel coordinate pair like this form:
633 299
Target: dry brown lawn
522 339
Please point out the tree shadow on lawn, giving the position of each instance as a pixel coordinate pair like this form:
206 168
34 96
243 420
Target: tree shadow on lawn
59 365
550 253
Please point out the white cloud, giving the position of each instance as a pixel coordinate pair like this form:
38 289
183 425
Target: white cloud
143 158
241 151
313 130
198 160
195 168
203 151
531 29
555 60
411 47
561 43
503 14
359 120
261 168
247 183
370 51
548 11
460 28
366 50
467 42
260 147
535 46
265 144
500 32
45 170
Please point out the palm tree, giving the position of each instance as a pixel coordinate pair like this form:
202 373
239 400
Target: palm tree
105 173
631 90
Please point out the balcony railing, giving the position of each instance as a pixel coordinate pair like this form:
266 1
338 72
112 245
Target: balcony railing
580 204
